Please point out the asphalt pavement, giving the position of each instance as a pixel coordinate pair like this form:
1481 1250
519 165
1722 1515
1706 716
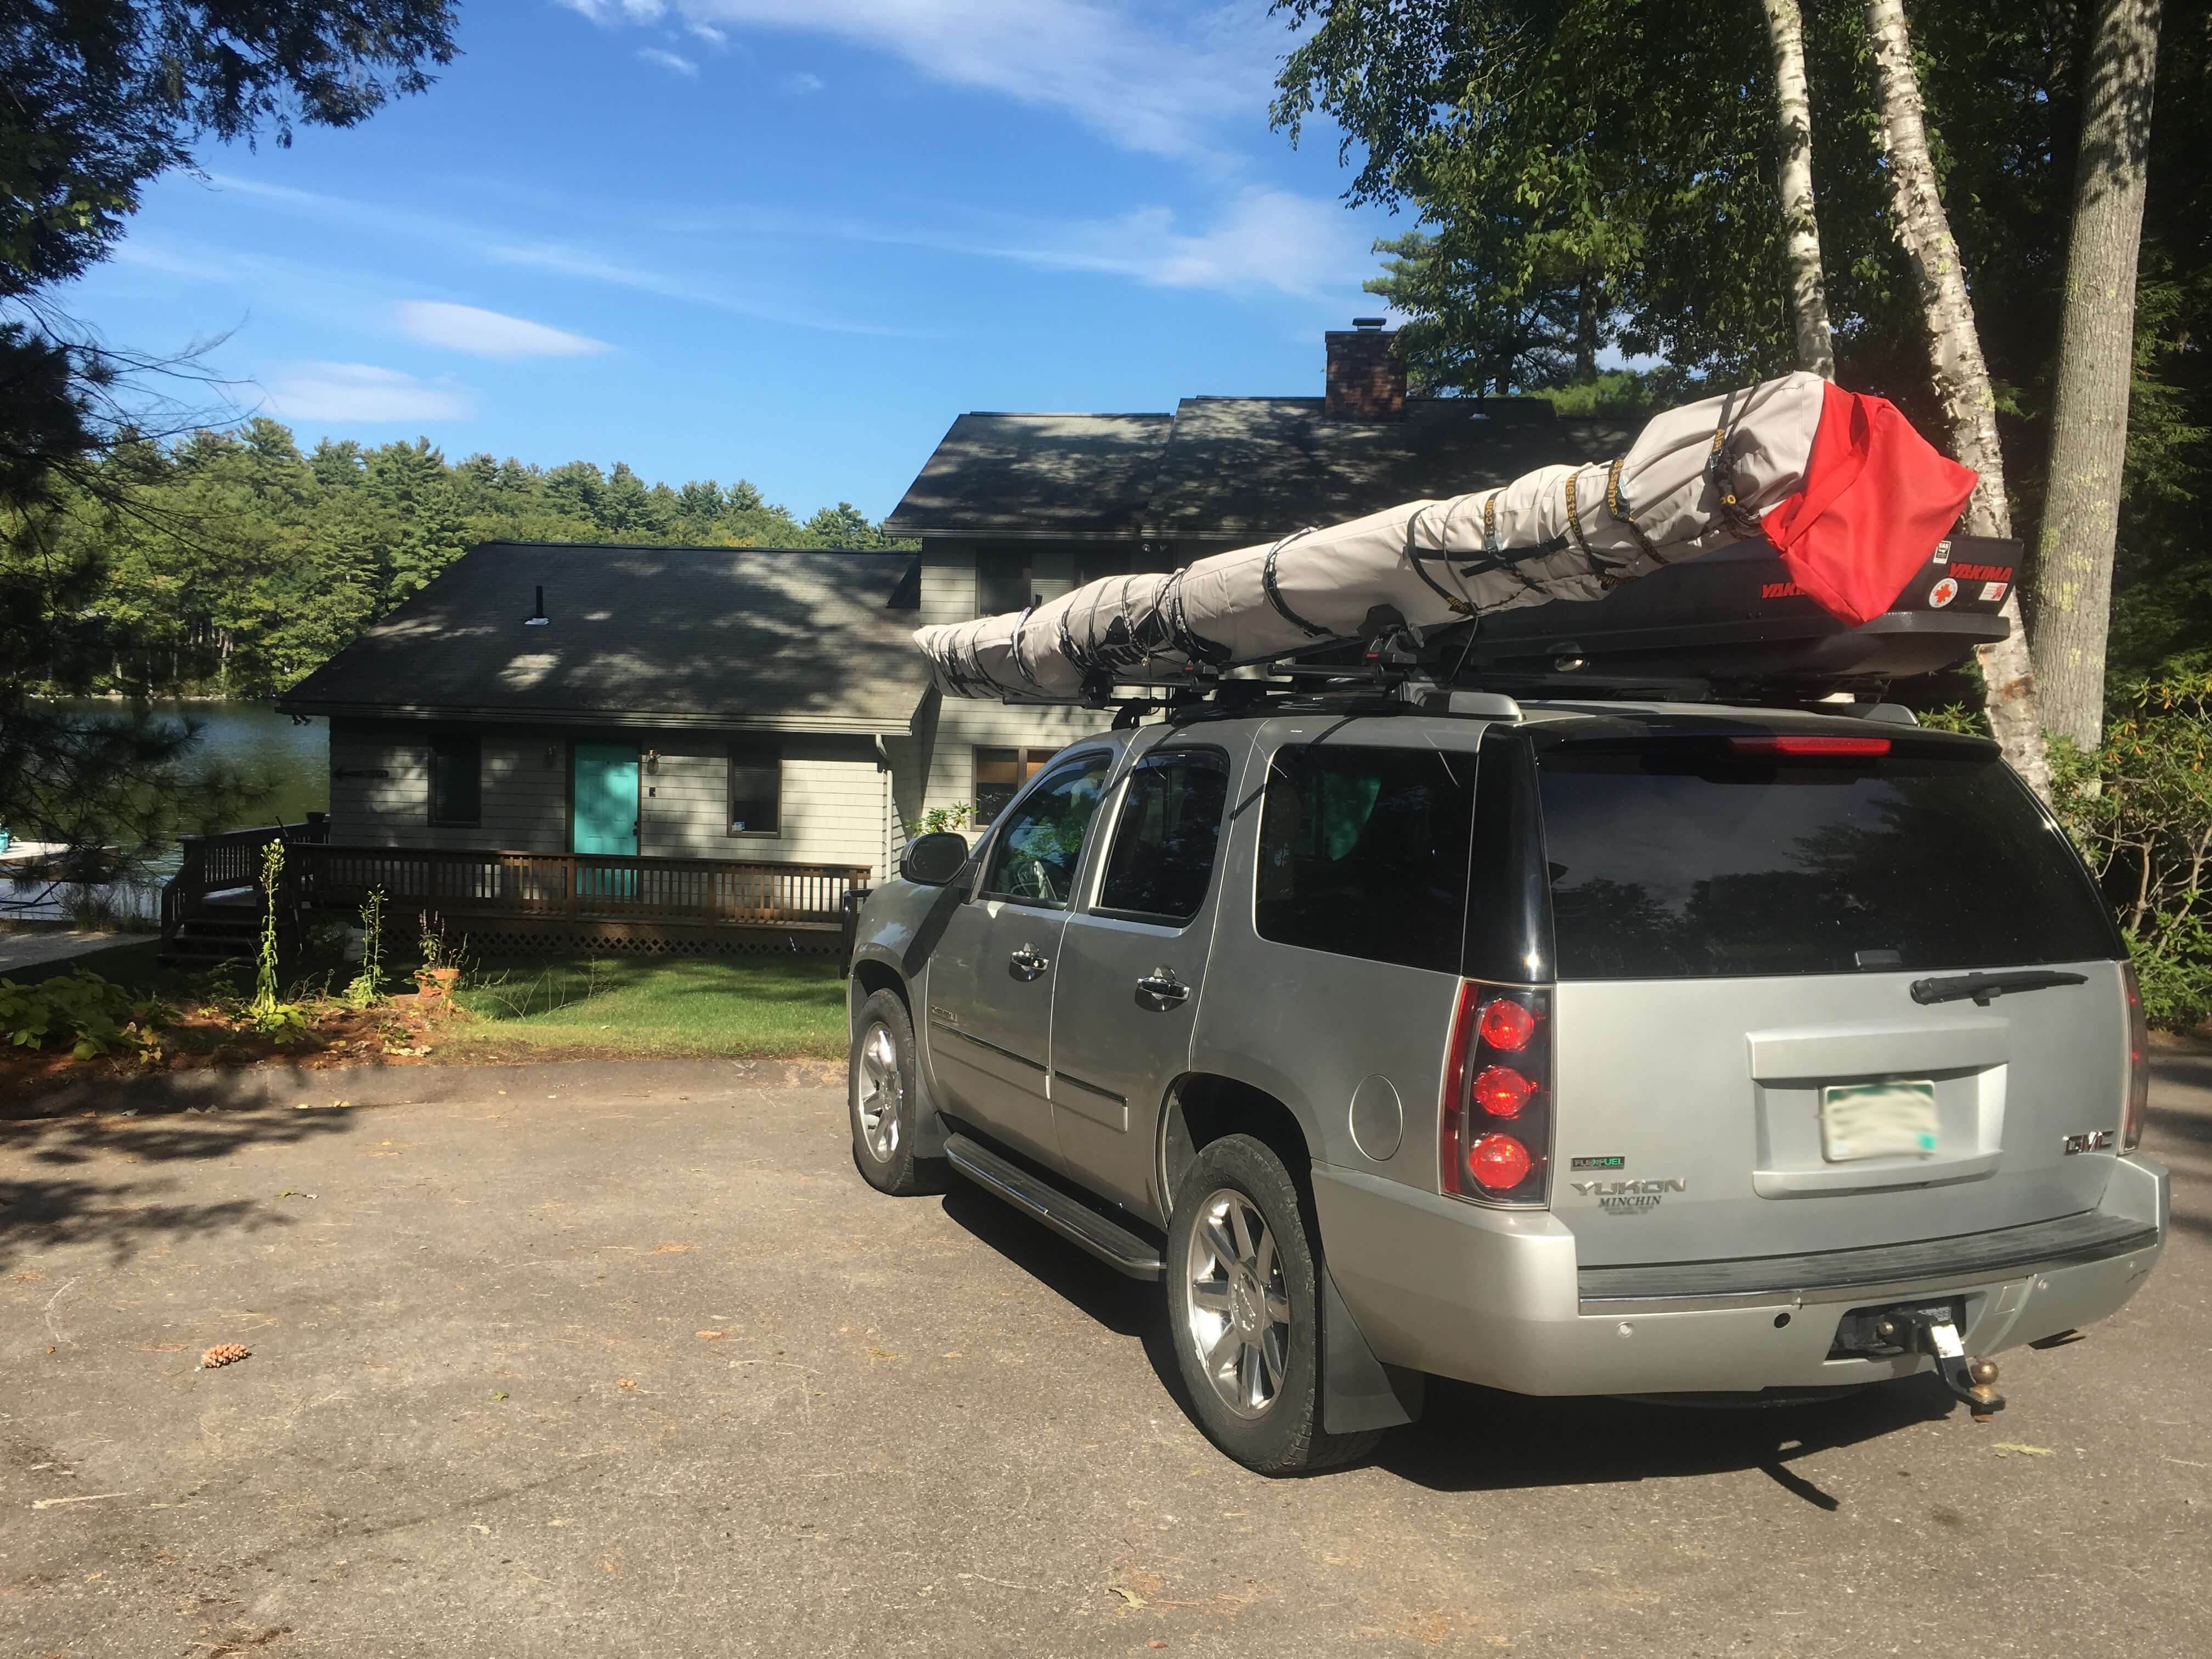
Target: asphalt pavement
626 1359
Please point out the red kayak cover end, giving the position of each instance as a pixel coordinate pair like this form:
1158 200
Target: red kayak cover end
1877 499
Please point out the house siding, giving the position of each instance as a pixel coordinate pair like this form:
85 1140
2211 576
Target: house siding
835 796
524 798
834 802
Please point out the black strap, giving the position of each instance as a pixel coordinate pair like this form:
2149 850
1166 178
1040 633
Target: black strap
1625 514
1020 623
1414 558
1606 579
1189 644
1269 586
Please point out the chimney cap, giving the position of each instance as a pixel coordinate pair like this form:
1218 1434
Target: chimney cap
1368 322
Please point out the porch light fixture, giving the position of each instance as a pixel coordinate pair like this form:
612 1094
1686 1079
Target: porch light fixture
538 618
653 762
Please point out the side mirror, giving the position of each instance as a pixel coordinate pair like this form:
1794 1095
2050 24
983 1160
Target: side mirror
932 861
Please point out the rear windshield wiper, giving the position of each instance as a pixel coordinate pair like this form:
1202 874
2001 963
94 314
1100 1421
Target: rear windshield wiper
1983 986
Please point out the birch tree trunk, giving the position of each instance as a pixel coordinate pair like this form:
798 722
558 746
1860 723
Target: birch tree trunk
1801 226
2096 354
1961 377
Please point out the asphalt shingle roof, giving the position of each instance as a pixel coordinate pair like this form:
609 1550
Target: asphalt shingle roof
1234 469
673 636
1245 469
1064 473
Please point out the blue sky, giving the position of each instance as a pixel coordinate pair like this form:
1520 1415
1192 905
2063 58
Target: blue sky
781 239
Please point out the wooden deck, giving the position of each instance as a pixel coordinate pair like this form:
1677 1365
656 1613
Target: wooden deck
559 900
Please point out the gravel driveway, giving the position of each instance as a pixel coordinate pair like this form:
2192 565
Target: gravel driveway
600 1359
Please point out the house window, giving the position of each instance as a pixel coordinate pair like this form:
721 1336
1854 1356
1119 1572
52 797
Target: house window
1002 583
456 781
999 773
755 789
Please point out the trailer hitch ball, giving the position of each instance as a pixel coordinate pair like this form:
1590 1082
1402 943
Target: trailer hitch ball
1984 1372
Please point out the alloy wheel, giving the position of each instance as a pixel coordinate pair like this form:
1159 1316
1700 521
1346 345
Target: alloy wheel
881 1093
1237 1305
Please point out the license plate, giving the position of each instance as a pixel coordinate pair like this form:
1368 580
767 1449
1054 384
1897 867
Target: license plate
1877 1119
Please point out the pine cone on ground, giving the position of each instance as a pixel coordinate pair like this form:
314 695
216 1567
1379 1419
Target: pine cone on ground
224 1353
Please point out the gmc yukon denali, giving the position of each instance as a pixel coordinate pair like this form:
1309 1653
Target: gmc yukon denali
1577 1049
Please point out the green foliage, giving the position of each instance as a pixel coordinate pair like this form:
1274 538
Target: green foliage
235 563
83 1011
266 1013
1957 717
103 95
362 991
2140 809
939 819
1609 164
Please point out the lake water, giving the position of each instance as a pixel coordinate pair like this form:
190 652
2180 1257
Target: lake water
292 763
293 760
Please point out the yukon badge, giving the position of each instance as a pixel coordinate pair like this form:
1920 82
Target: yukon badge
1628 1197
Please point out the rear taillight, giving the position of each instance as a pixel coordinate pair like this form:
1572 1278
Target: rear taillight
2138 1106
1494 1138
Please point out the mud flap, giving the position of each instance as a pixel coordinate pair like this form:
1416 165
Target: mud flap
1357 1390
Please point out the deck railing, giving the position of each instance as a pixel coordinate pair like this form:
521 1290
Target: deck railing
582 886
226 862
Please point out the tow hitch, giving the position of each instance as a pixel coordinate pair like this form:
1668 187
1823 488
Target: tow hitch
1933 1331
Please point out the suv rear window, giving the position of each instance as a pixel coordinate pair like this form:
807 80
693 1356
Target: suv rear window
1362 852
1673 857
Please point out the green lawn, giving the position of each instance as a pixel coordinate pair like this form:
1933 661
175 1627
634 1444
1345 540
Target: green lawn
765 1004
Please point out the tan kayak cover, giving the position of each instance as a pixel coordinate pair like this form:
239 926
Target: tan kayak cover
1697 477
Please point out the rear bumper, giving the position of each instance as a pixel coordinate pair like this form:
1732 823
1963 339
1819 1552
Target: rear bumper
1495 1296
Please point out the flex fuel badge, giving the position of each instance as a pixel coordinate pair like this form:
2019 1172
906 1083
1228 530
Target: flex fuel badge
1615 1163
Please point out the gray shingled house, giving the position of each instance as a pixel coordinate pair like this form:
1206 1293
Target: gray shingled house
764 708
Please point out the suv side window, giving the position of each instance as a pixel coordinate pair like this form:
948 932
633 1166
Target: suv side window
1162 860
1040 843
1363 853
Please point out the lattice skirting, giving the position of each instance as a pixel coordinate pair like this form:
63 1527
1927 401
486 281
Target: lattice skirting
641 937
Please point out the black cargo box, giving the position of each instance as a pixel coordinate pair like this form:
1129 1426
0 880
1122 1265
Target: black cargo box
1733 616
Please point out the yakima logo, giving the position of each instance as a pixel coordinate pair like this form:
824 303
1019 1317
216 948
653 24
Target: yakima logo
1780 591
1625 1188
1982 573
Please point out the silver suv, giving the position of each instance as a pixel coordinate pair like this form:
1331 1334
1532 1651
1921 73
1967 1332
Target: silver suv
1572 1049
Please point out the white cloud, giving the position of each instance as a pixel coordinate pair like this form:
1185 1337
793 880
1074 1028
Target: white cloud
1156 75
707 31
1264 238
667 60
802 84
476 241
489 333
359 392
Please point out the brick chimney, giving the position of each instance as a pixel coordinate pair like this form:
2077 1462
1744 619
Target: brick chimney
1366 382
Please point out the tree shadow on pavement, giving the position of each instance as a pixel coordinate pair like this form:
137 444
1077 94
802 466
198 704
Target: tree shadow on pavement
94 1180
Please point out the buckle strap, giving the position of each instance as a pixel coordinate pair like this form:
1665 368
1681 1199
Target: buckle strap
1272 588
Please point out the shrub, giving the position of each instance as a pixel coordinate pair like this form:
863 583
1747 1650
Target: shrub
84 1010
2140 809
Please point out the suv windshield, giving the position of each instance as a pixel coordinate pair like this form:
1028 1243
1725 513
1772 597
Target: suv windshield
1673 857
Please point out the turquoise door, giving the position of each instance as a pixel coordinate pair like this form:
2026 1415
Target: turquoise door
604 819
603 816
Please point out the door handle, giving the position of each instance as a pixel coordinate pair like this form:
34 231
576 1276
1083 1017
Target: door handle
1160 990
1026 964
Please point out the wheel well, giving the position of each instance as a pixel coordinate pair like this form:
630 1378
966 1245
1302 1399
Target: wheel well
1205 1107
874 976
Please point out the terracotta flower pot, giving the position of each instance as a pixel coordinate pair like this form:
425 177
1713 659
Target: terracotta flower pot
436 984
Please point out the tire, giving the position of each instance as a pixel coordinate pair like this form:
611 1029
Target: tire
1244 1311
883 1098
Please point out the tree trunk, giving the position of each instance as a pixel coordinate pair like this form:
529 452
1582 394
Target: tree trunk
1961 377
1801 226
2096 354
1586 321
